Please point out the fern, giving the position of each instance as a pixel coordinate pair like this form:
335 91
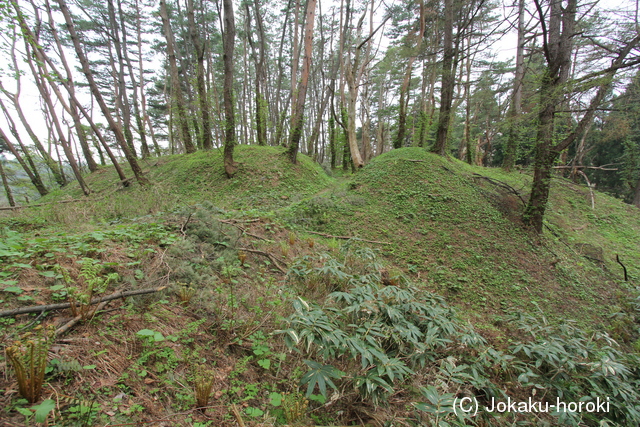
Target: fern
28 356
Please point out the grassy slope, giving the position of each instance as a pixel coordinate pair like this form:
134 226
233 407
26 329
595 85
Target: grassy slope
445 226
265 180
462 235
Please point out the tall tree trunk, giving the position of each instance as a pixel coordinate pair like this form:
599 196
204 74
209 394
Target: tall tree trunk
203 97
332 141
380 128
228 42
68 84
144 147
448 82
278 113
5 184
352 84
261 79
119 77
295 59
25 150
515 108
73 107
40 81
636 195
86 69
141 81
301 92
15 99
558 38
35 179
423 115
398 142
181 109
49 161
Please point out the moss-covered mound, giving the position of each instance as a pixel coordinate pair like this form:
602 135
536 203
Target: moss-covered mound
459 229
265 180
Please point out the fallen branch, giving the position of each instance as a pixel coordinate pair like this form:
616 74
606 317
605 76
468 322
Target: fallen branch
236 413
13 208
268 255
233 221
244 230
626 279
413 160
78 318
503 185
183 227
602 168
593 199
348 238
62 306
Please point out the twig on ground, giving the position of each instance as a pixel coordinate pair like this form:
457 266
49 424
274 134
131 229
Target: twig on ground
347 238
268 255
236 413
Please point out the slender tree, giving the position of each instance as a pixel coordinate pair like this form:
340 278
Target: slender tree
301 91
228 42
5 182
95 91
203 97
515 108
558 29
180 104
35 179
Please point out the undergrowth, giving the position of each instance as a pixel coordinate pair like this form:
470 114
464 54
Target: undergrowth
273 315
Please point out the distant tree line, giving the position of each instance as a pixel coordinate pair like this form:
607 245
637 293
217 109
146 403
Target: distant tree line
123 80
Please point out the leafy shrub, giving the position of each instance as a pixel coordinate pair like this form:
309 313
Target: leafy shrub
388 330
573 364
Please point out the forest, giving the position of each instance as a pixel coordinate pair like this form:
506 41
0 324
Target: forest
331 213
118 81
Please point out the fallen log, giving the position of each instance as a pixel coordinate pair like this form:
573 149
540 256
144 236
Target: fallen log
62 306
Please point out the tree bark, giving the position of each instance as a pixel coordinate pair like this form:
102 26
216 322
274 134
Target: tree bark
66 145
448 82
49 161
27 155
141 82
228 42
73 105
398 142
636 195
15 99
144 147
296 131
69 86
35 180
260 80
